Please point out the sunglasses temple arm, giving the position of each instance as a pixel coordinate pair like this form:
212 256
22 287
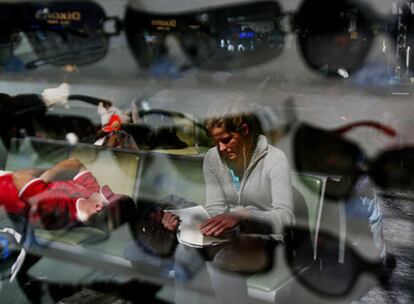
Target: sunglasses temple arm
91 100
387 130
172 114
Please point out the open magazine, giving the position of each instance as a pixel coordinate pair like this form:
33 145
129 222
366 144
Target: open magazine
189 233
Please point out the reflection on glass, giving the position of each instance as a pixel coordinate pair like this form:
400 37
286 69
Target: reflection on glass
328 274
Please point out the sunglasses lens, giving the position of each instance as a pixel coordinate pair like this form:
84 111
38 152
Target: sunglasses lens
225 38
393 169
5 52
326 275
65 32
145 42
151 236
322 152
334 36
236 37
10 26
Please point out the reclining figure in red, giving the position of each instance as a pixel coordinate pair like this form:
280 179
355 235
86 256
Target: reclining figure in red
63 195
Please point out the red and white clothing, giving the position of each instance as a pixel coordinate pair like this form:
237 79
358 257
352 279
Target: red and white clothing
52 204
82 185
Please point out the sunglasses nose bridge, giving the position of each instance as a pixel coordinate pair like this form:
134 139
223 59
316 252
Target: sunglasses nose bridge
287 22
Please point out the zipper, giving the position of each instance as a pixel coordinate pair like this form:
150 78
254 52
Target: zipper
246 174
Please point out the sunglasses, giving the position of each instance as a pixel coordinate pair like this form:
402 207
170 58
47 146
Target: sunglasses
229 37
326 152
59 33
333 36
328 275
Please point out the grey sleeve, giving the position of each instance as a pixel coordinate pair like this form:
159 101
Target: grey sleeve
281 213
215 199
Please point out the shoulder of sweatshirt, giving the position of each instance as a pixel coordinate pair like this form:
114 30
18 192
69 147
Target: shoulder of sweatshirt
276 154
212 156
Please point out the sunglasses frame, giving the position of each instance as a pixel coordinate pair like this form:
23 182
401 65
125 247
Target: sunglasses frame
376 268
361 165
33 17
166 24
375 24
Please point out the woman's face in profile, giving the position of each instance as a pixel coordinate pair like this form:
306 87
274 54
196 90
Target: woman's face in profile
230 144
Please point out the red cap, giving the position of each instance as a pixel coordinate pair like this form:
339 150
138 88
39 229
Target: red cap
114 124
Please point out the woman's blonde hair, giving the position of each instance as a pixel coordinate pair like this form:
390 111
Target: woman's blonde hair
231 114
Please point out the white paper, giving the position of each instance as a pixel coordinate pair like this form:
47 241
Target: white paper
189 229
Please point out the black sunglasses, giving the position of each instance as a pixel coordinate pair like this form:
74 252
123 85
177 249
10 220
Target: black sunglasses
60 33
326 152
329 274
229 37
333 35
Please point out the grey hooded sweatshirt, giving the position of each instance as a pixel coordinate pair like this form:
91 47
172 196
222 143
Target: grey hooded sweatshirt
265 188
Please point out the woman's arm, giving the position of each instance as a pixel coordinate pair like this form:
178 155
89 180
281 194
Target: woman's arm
65 170
216 203
215 199
281 213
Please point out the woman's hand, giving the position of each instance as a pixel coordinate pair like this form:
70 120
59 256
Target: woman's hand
221 223
170 221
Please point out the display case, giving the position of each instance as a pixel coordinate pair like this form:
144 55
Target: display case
163 101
